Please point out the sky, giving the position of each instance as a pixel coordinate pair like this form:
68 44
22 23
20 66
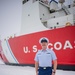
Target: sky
10 17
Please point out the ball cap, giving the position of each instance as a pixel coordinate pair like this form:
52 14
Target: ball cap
43 39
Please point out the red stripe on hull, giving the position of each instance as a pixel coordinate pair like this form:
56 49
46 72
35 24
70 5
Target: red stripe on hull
61 40
4 58
2 54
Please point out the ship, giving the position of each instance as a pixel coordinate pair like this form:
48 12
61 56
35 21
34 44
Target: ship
43 18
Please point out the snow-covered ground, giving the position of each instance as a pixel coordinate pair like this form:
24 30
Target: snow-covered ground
25 70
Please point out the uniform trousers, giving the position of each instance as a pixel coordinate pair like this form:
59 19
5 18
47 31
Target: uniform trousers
45 71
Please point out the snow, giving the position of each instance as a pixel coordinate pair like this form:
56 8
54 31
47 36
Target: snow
25 70
1 62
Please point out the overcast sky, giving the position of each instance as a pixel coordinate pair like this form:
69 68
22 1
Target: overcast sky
10 17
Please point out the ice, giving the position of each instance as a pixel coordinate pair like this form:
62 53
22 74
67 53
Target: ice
1 62
25 70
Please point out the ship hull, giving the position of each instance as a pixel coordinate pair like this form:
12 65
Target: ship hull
23 48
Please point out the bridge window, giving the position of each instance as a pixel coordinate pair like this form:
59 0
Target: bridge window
24 1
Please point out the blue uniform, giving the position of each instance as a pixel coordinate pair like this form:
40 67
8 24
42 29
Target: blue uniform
45 57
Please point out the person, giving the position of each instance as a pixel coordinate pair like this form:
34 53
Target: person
43 59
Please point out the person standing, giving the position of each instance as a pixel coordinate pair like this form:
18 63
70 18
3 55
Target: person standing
43 59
